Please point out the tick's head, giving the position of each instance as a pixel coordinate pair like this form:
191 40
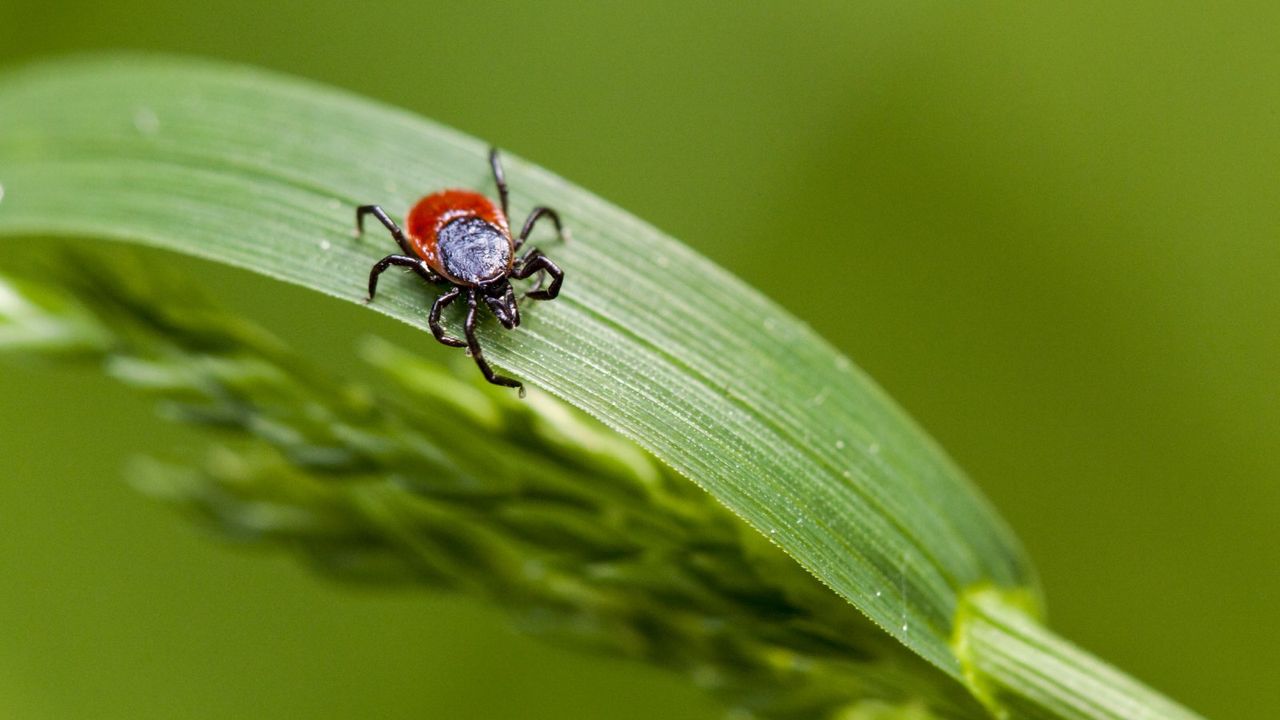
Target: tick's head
501 299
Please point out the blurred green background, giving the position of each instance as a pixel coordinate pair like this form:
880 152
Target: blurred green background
1052 233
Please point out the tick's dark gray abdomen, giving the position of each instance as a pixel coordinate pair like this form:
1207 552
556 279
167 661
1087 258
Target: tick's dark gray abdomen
473 251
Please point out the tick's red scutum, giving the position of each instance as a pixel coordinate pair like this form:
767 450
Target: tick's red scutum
436 210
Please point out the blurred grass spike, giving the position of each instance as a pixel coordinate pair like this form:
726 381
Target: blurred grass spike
32 320
721 386
577 533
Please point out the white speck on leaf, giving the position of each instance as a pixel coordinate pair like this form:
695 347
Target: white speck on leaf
145 121
839 444
324 245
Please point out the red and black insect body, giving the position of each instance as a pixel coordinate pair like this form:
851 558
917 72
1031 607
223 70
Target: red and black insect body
462 239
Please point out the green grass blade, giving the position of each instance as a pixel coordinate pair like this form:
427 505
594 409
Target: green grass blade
263 172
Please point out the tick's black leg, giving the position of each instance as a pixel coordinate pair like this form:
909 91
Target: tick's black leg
534 216
505 308
388 261
499 177
532 263
433 319
477 354
387 222
428 274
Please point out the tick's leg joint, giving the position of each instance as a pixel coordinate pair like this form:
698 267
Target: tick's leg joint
537 214
534 262
401 239
386 262
499 177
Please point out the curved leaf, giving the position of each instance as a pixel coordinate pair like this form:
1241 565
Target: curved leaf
263 172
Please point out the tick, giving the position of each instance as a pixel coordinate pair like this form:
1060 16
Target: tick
460 238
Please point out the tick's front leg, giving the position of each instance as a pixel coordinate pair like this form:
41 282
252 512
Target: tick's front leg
433 319
477 354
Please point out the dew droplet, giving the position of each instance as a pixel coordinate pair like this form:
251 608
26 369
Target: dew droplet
839 444
534 569
706 676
